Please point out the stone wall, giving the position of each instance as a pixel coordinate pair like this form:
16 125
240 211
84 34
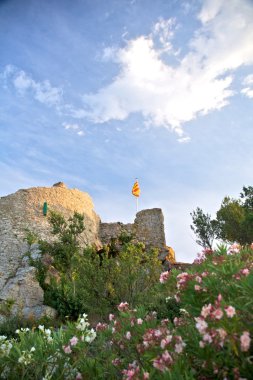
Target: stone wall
148 227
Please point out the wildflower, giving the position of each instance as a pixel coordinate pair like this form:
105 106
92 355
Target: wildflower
131 372
32 349
207 338
82 323
230 311
197 288
177 321
111 317
139 321
234 248
166 341
128 335
41 328
123 306
91 336
245 341
79 376
198 279
67 349
73 341
217 314
222 334
164 277
145 376
245 272
116 362
206 309
162 362
201 325
48 332
101 326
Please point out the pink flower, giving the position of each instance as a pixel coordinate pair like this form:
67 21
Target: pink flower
207 338
67 349
179 347
145 376
219 298
123 306
73 341
166 341
111 317
245 341
230 311
234 248
128 335
139 321
217 314
201 325
198 279
79 376
222 333
164 277
116 362
131 372
162 362
101 326
197 288
245 272
206 309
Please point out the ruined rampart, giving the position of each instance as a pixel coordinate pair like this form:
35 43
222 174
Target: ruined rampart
23 211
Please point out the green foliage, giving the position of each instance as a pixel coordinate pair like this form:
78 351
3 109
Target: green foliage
234 221
6 306
204 228
200 326
30 236
93 281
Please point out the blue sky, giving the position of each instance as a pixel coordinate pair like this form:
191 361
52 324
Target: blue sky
96 93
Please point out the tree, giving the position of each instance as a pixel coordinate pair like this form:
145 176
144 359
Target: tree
233 223
204 228
235 218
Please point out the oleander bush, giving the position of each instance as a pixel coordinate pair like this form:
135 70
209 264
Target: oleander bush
200 328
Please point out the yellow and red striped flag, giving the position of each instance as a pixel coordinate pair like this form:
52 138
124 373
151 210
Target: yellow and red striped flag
136 189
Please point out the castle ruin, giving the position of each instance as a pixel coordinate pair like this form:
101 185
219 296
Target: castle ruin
23 211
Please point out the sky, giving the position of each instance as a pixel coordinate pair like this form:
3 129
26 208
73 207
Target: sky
96 93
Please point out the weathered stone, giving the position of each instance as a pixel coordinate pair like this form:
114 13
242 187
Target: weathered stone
148 228
22 213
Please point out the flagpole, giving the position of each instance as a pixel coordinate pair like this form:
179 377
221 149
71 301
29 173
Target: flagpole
136 205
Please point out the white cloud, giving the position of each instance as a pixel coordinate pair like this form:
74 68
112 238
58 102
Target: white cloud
248 81
44 92
74 127
170 95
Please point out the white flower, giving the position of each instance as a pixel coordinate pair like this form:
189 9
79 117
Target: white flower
32 349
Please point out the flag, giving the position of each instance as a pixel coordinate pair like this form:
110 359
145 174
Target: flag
136 189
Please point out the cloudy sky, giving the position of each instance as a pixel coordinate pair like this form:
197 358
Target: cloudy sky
95 93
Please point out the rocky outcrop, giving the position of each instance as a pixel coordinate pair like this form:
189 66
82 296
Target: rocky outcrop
21 213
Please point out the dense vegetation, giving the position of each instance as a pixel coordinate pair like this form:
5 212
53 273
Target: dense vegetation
233 222
122 317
